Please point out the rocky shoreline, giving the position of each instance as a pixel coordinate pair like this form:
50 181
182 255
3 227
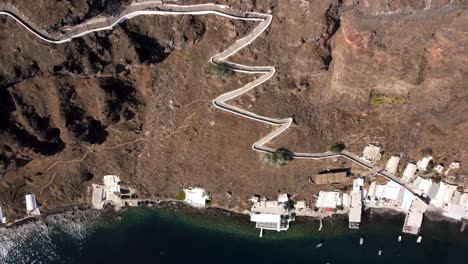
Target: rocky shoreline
76 211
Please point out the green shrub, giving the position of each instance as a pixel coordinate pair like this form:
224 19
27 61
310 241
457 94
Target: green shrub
430 166
337 147
220 70
377 100
390 100
180 196
278 158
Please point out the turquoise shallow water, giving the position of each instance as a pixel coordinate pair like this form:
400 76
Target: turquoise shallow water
180 235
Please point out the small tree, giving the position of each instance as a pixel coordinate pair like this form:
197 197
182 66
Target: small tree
430 166
220 70
180 196
279 157
337 147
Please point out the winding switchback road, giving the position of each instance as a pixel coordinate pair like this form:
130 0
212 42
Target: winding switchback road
140 8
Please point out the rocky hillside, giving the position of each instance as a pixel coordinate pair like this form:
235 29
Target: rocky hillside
135 101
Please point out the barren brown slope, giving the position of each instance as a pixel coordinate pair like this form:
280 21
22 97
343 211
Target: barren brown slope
88 97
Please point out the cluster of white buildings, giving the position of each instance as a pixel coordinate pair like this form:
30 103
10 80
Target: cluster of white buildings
273 214
335 201
107 194
32 208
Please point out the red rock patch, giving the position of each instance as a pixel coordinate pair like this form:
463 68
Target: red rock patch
353 37
436 53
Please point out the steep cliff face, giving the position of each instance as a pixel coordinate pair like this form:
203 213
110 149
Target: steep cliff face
135 101
404 69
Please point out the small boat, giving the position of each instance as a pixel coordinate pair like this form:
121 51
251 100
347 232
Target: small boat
399 238
361 241
419 239
319 245
380 252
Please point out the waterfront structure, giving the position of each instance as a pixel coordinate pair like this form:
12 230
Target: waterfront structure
392 164
273 215
409 172
371 193
109 193
355 209
346 200
300 205
372 153
414 217
330 178
355 203
31 205
2 216
455 211
408 199
196 196
358 184
390 193
424 163
329 200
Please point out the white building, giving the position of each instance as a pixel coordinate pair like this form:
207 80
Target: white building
274 215
255 199
392 164
424 186
433 191
196 196
455 211
300 205
109 193
464 200
454 165
409 172
390 193
372 153
31 205
346 200
414 217
358 184
439 168
379 192
355 209
408 199
283 198
371 193
2 216
444 194
329 200
423 163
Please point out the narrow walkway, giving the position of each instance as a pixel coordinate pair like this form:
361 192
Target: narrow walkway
140 8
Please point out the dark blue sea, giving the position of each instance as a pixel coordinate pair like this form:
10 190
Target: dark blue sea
211 236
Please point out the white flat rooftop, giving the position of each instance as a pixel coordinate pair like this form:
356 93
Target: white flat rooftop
265 218
196 196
